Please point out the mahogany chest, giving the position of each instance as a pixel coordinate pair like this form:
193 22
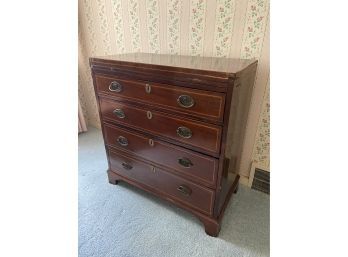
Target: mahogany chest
174 126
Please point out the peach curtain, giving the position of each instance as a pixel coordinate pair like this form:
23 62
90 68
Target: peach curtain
82 121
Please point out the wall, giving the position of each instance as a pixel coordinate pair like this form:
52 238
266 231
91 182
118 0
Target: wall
222 28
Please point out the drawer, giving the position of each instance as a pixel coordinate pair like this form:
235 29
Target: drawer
197 134
200 103
178 188
198 167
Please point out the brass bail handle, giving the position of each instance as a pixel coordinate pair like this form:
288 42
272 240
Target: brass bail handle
119 113
185 162
115 87
122 141
184 132
186 101
127 166
184 190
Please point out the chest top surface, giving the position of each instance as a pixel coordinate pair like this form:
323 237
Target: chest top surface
215 66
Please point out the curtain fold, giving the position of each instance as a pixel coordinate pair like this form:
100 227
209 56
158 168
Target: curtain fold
82 121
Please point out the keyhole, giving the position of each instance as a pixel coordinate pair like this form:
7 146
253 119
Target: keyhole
149 115
151 143
148 88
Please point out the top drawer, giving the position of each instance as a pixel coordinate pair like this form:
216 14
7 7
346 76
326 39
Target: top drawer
199 103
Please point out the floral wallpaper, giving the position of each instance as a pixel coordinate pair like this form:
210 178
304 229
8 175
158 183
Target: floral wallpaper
133 9
221 28
104 27
90 25
254 28
118 25
173 26
197 22
262 144
153 25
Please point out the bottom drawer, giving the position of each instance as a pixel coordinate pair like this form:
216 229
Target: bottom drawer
177 188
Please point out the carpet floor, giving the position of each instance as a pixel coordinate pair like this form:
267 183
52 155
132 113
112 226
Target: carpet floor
123 221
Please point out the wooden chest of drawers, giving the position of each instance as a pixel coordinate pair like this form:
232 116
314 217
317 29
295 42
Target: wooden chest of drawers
174 126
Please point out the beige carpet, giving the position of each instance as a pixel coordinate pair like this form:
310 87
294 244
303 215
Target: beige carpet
123 221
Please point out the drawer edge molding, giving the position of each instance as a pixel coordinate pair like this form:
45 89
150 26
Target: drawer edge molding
138 142
167 173
192 178
135 91
139 116
169 111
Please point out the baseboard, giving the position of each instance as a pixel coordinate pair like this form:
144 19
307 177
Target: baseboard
243 180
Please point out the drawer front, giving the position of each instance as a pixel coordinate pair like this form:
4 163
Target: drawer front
197 134
181 189
209 105
198 167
